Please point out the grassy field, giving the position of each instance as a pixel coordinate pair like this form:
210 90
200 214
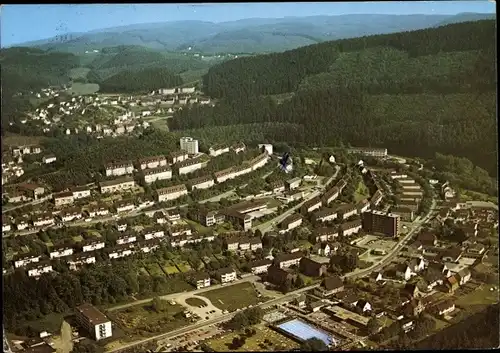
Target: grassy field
51 322
183 266
191 76
195 302
468 195
361 192
481 296
143 321
160 124
81 89
233 297
143 271
154 269
79 72
197 226
169 267
256 342
78 239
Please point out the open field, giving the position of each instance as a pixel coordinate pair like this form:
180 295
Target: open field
51 322
361 192
143 321
233 297
82 89
481 296
169 267
78 239
183 266
160 124
197 226
154 269
255 343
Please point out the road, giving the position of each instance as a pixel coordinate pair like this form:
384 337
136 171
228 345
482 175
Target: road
267 226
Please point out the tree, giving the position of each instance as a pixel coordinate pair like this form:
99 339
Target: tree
373 326
313 345
159 305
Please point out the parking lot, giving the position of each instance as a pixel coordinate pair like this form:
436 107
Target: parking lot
191 339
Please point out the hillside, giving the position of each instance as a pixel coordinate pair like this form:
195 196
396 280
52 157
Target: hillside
256 35
432 88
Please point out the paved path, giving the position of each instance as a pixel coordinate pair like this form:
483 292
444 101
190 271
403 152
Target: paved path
201 312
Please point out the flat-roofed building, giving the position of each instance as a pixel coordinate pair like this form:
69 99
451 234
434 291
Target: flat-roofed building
94 321
189 144
378 222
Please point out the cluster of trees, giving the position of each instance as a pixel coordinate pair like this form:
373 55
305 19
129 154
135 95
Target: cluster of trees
246 318
143 81
344 261
313 345
283 72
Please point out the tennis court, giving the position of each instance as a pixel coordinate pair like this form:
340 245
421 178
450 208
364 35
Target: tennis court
304 331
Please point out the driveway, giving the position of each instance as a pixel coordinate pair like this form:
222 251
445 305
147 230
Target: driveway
201 312
64 343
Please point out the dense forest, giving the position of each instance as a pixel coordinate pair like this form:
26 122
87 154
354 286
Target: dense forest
144 80
432 88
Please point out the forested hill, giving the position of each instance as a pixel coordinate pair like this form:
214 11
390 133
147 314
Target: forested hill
284 72
144 81
416 93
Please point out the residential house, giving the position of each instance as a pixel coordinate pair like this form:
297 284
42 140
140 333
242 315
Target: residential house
203 182
63 198
350 228
326 234
226 275
92 245
311 205
153 233
39 268
121 251
171 193
329 286
62 250
451 254
325 215
232 244
255 243
119 168
291 222
452 283
363 306
149 245
239 147
476 249
177 156
32 190
76 261
154 174
22 260
217 150
347 210
238 219
188 166
49 159
444 307
312 268
300 301
200 280
80 192
43 220
260 266
117 185
330 195
426 238
363 206
126 239
463 276
293 184
210 218
406 214
223 175
414 308
124 206
152 162
172 216
287 260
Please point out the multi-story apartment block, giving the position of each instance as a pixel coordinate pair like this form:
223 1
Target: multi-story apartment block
92 245
203 182
239 219
189 166
226 275
25 259
223 175
94 322
381 223
217 150
121 251
77 260
349 228
326 234
171 193
149 245
37 269
347 210
60 251
287 260
119 168
260 161
43 220
330 195
291 222
152 162
154 174
126 239
63 198
117 185
189 145
177 156
325 214
209 218
311 205
200 280
239 147
260 266
80 192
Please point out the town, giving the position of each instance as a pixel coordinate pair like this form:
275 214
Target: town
352 259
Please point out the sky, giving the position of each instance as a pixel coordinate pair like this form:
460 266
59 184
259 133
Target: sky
23 23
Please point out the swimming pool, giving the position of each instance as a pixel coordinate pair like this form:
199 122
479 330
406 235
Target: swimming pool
304 331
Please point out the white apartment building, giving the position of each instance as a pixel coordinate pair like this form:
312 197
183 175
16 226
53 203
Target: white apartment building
49 159
63 198
239 147
204 182
291 222
187 90
125 207
92 246
189 145
260 266
61 251
267 147
224 175
178 156
215 151
153 162
81 192
26 260
242 170
38 269
42 221
94 322
116 185
152 234
287 260
126 239
350 228
6 227
122 251
189 166
226 275
160 173
80 259
149 245
168 90
171 193
325 215
119 169
260 161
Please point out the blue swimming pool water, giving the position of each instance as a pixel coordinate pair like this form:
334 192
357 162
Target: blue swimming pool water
304 331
